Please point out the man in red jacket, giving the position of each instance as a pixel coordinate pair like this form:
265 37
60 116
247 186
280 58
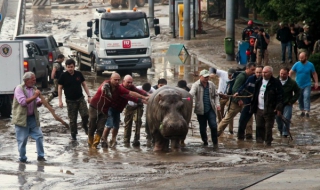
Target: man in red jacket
109 94
113 121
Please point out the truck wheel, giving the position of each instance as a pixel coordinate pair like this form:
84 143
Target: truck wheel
143 72
140 3
94 65
115 3
5 110
44 80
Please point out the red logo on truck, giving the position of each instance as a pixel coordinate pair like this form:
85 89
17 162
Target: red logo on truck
126 44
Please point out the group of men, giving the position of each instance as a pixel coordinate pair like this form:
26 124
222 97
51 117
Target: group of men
256 92
258 43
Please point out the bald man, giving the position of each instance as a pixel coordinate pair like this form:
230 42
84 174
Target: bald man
267 99
112 95
303 68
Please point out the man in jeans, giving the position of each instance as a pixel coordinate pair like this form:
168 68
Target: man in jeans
245 120
303 68
284 36
267 99
291 93
206 103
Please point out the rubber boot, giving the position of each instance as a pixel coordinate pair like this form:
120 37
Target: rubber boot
113 142
90 141
85 121
96 141
104 138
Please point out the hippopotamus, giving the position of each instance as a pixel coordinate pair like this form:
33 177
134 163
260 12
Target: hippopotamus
169 113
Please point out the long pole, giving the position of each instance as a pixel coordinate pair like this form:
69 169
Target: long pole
151 13
186 20
230 26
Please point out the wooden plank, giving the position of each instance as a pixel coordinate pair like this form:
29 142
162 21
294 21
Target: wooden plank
78 48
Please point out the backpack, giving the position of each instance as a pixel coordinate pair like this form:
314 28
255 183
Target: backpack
231 83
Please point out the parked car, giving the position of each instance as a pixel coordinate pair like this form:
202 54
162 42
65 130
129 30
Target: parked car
46 43
35 61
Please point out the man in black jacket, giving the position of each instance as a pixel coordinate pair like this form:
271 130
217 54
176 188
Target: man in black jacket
284 36
267 100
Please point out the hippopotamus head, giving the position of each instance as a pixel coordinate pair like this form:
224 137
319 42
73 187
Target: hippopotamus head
168 113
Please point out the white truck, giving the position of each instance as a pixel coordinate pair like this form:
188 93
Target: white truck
121 43
11 72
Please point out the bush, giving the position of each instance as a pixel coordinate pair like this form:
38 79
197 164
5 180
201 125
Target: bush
315 59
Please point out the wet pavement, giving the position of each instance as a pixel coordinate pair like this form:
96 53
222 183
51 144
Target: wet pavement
71 165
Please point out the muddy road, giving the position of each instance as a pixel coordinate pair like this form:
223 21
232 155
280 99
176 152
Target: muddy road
71 165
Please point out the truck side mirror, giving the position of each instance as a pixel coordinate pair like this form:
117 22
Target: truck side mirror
60 44
157 30
89 24
156 21
89 33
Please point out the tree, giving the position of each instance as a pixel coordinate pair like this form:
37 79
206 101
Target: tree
287 10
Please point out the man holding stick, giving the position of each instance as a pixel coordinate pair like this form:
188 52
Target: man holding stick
25 116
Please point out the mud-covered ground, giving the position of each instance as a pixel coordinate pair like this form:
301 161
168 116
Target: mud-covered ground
71 165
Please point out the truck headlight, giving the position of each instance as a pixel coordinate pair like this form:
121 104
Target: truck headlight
146 60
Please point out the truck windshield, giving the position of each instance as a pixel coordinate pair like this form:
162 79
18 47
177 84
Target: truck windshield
128 28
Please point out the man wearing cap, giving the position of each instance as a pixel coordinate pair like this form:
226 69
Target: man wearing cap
302 40
252 40
260 47
224 78
206 103
236 103
284 36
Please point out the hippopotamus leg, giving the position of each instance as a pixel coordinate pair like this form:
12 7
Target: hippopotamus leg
175 144
160 143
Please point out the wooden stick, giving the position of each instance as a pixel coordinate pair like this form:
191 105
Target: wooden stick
46 104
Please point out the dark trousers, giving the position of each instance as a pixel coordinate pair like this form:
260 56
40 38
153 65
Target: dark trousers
210 118
264 122
243 120
253 56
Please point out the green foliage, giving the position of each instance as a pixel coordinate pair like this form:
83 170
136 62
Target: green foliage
315 59
287 10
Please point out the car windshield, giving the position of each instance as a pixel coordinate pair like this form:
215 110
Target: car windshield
127 28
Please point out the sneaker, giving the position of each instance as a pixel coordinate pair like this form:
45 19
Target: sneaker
249 137
104 144
113 143
307 115
231 132
41 159
205 143
24 161
215 146
302 114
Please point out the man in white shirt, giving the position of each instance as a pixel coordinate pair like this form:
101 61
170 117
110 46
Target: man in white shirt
134 112
224 78
267 100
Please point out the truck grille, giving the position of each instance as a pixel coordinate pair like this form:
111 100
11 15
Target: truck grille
126 62
136 51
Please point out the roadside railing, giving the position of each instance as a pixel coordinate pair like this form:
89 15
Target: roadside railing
20 19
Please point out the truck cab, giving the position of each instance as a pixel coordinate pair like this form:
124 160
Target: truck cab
118 41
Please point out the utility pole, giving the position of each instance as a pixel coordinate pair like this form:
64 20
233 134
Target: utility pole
132 4
151 13
230 36
186 20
